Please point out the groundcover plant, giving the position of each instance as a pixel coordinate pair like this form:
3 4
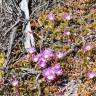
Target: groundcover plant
48 48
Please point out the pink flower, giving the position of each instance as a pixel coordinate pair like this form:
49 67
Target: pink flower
14 82
47 50
47 53
67 33
87 47
48 56
52 72
31 50
42 63
57 69
91 74
67 16
59 55
56 66
35 58
51 77
48 74
59 72
51 16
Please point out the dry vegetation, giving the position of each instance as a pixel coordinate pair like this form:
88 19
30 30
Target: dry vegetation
78 61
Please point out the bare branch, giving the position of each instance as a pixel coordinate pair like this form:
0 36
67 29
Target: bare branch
29 39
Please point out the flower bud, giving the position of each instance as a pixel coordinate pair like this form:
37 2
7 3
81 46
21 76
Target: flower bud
14 83
51 17
67 16
31 50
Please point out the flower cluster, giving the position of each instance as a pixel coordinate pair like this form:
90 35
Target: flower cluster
52 72
46 55
42 59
